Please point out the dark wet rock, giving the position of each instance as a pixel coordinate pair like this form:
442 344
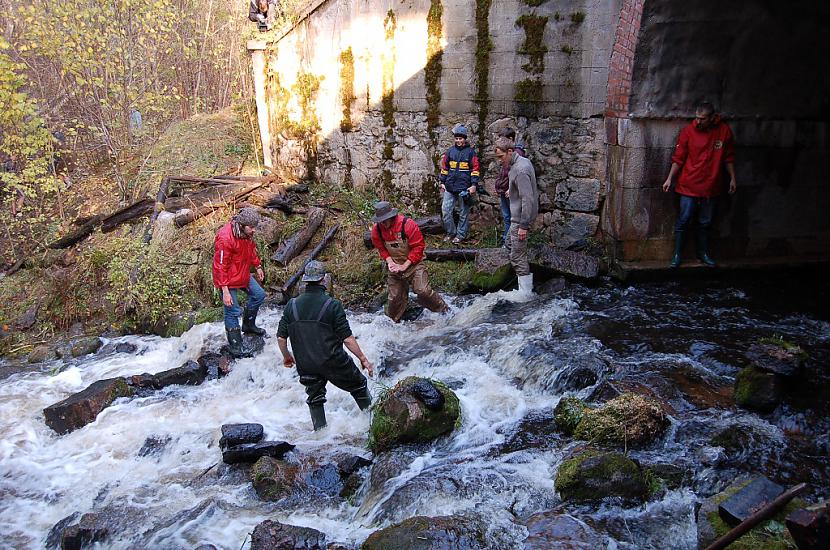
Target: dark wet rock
671 475
351 484
810 527
426 392
747 500
125 347
567 262
143 381
41 353
251 452
237 434
351 464
426 533
630 419
777 356
89 530
594 475
81 408
385 467
492 269
757 390
85 346
561 365
273 535
206 547
537 430
412 312
399 417
189 374
552 286
179 323
606 391
53 539
250 342
274 479
696 389
710 526
326 478
154 445
568 413
216 364
551 529
377 303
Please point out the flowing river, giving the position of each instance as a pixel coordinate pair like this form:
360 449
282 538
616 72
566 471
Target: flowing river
149 465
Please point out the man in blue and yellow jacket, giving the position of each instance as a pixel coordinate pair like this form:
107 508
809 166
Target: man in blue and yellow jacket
459 182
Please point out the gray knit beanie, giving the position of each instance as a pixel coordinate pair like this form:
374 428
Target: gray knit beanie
248 216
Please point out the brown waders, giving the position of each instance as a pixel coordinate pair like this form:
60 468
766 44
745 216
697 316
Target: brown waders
415 276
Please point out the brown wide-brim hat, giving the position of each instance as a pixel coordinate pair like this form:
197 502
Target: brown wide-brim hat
384 211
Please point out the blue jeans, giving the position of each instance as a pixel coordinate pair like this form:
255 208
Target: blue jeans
447 206
505 213
255 298
705 209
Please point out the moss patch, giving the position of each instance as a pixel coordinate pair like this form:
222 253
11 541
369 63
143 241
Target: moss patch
594 475
568 413
578 17
528 95
434 67
533 46
629 419
347 96
757 390
484 45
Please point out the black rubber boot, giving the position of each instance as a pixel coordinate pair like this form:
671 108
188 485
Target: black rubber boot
679 238
235 345
703 247
249 323
318 416
363 398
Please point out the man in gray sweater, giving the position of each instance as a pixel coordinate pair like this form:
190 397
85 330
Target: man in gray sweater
524 206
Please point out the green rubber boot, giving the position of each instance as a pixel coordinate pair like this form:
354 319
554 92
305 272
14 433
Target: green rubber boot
318 416
703 248
679 238
235 345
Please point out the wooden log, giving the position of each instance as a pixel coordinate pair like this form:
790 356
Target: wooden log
76 236
431 225
314 253
184 218
756 518
292 246
161 198
130 212
450 254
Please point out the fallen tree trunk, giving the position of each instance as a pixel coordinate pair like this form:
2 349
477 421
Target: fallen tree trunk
756 518
292 246
186 217
431 225
314 253
82 233
161 198
450 254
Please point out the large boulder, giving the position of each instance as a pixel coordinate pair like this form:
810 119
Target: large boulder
85 346
426 533
568 413
567 262
492 269
189 374
91 529
273 535
274 479
757 390
777 356
42 353
593 475
81 408
630 419
237 434
402 416
551 529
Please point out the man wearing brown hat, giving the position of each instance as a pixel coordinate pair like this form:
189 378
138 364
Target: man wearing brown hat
400 243
317 327
234 255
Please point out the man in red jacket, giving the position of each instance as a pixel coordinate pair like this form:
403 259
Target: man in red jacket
400 243
234 254
703 148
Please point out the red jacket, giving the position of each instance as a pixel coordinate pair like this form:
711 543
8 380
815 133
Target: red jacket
702 155
232 259
414 238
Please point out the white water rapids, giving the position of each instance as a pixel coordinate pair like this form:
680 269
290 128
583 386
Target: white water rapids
170 502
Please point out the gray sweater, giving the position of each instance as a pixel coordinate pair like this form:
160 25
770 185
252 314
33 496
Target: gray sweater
524 196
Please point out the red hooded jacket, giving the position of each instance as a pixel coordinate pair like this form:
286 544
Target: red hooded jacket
414 237
232 259
702 155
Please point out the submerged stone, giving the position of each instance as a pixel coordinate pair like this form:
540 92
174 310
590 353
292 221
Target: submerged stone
273 535
594 475
251 452
190 374
89 530
274 479
83 407
568 413
429 533
400 417
551 529
777 356
630 420
85 346
757 390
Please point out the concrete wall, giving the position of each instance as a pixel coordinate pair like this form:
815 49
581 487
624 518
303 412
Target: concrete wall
758 62
564 134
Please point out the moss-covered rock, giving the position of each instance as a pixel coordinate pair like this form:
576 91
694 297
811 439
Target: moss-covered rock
757 390
425 533
274 479
594 475
630 419
568 413
768 535
85 346
492 269
41 354
400 417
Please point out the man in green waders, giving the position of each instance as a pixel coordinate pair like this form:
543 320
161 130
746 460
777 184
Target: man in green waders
317 327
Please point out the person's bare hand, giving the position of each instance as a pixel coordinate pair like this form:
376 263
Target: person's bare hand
260 274
367 366
667 185
472 189
227 299
522 234
732 186
288 361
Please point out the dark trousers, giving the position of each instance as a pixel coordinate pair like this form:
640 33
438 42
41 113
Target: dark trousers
689 206
347 378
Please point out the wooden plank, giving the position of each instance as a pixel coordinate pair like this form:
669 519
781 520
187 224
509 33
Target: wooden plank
295 244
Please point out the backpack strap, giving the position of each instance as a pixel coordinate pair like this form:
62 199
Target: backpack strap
403 229
380 234
294 309
324 308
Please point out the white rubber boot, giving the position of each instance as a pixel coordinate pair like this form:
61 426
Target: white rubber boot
526 284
